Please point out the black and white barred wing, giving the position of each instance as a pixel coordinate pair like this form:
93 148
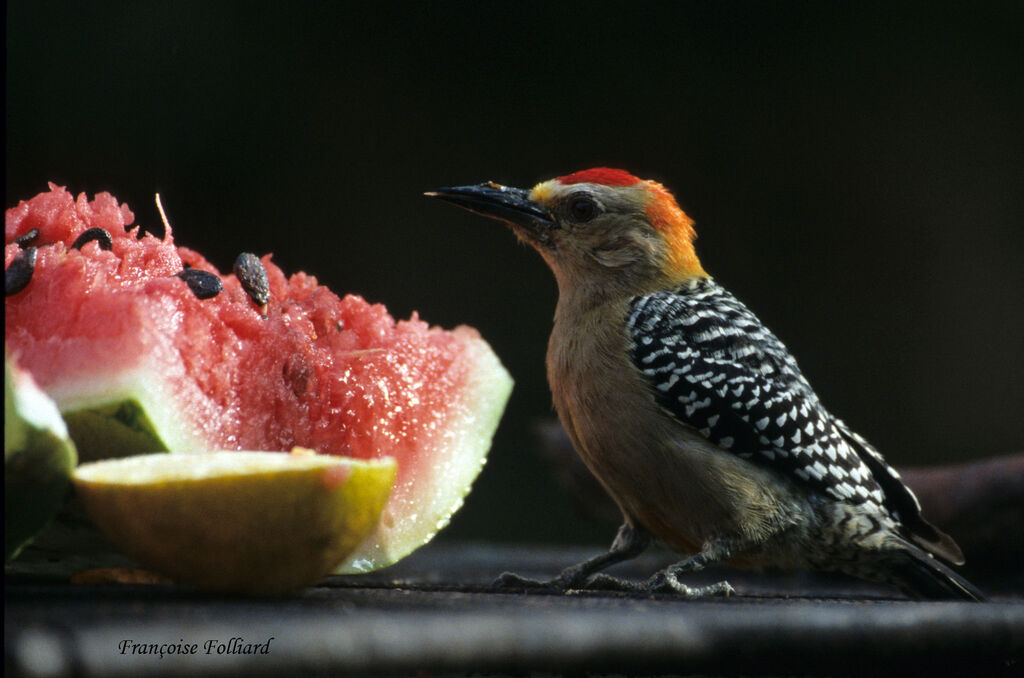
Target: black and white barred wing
714 367
901 501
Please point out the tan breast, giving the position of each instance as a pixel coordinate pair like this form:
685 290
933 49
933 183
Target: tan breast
663 474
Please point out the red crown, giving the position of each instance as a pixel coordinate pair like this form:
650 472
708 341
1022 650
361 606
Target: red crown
600 175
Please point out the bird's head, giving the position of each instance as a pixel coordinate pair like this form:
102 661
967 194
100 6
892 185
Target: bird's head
601 227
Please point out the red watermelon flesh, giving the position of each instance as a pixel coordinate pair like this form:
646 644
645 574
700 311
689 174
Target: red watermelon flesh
111 333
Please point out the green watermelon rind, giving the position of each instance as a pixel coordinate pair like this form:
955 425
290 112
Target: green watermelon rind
38 460
465 444
113 429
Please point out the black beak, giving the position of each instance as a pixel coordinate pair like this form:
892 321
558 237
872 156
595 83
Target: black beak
511 205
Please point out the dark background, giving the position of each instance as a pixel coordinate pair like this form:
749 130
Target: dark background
856 172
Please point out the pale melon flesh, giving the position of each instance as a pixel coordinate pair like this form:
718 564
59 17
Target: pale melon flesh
248 522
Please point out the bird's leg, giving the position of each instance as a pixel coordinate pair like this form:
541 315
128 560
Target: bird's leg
629 543
667 580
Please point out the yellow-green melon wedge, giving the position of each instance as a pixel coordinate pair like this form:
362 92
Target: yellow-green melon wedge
248 522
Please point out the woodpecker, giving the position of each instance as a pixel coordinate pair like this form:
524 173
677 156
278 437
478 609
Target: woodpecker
695 418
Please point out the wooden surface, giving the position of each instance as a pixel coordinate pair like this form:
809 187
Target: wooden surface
436 613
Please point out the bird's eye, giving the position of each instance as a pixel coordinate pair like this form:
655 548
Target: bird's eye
582 208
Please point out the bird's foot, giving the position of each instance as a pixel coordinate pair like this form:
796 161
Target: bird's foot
659 583
667 581
662 582
606 582
571 578
511 580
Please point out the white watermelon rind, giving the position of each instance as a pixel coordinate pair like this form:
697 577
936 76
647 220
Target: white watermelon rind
127 418
437 490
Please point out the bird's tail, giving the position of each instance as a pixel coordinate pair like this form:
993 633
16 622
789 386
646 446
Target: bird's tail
922 576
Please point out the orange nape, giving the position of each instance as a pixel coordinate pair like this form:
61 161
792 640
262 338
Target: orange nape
677 229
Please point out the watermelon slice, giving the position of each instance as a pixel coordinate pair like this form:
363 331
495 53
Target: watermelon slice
112 326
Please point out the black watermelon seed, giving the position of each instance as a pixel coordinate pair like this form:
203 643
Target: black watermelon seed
100 235
27 239
203 284
19 273
253 276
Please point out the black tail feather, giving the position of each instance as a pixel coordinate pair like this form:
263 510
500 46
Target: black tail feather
922 576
